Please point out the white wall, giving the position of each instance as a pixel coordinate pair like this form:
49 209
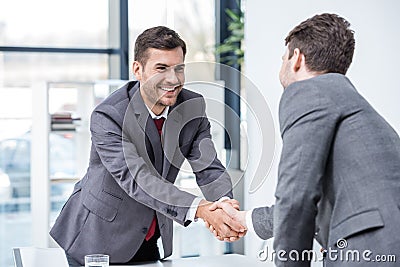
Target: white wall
374 70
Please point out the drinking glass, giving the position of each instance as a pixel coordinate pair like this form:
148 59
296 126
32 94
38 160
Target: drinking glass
97 260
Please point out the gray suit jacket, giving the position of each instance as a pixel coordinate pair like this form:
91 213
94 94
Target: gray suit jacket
131 175
339 171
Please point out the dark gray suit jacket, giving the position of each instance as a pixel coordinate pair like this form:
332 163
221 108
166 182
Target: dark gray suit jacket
339 171
131 175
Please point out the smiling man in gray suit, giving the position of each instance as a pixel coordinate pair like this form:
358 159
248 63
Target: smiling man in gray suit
128 199
339 172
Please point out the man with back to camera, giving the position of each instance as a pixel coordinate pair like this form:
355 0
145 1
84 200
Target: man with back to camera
141 135
339 172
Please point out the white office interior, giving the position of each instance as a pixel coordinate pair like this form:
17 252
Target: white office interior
374 73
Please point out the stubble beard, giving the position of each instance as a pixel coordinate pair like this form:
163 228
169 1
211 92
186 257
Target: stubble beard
160 100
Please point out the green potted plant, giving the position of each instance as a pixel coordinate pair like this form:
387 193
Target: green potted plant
231 50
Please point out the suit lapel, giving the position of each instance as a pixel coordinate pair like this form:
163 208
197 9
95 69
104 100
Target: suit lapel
149 128
170 138
170 134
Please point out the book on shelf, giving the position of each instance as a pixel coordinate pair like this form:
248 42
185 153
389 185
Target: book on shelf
63 121
63 126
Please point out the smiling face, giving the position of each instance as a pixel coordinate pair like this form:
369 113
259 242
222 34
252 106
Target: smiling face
161 77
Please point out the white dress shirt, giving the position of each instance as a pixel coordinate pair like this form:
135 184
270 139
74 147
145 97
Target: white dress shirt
249 221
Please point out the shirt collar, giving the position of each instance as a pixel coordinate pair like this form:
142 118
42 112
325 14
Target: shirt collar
164 114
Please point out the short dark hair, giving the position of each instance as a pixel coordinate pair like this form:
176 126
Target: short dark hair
159 37
326 42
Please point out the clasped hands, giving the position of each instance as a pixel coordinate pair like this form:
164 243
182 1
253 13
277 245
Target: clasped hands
223 219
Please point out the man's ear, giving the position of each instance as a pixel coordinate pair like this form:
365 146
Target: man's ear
137 70
298 60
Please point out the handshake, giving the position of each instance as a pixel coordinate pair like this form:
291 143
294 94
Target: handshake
223 218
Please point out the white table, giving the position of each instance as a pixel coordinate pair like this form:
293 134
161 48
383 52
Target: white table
227 260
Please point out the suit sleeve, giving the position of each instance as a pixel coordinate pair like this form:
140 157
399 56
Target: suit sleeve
262 219
211 175
308 120
122 160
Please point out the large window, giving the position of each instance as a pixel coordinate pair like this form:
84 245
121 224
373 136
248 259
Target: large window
47 23
25 69
75 42
37 39
194 20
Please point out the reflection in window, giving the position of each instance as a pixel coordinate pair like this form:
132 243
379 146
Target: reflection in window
40 67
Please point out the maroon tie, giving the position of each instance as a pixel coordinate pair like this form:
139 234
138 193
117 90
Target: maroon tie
159 124
152 229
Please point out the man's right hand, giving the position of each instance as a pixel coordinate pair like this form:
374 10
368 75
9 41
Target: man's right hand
226 228
231 207
232 210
